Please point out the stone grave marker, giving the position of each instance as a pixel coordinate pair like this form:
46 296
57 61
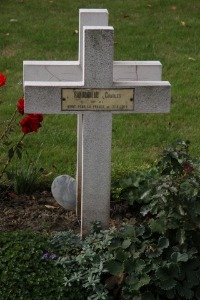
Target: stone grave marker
94 87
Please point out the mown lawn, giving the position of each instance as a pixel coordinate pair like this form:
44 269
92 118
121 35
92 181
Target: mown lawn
167 31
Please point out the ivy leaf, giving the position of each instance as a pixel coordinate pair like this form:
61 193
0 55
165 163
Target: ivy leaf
114 267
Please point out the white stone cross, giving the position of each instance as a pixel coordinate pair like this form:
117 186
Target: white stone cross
47 85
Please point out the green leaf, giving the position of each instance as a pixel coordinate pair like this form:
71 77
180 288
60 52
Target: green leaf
136 283
148 268
157 226
125 183
145 210
167 272
126 243
144 280
163 243
115 267
121 255
129 231
140 231
145 194
139 265
168 284
180 235
129 266
177 257
115 243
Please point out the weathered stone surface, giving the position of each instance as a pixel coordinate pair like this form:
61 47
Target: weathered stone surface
43 84
63 190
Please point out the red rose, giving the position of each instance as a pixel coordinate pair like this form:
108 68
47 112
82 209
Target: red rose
31 123
20 106
2 79
39 117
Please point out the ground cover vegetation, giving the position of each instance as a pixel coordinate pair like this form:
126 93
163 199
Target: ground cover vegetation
155 257
155 254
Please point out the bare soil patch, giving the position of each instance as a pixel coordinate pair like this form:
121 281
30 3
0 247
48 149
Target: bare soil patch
41 212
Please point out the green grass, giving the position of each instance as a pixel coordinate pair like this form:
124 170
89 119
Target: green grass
144 30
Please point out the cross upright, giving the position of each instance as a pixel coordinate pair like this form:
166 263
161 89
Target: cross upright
100 87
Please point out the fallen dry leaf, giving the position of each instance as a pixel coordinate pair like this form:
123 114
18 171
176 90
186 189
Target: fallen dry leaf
114 281
126 17
173 7
50 206
191 58
48 174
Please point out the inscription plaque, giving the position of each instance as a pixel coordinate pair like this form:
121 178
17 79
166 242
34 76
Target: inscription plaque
97 99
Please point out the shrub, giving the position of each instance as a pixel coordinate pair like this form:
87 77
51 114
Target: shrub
169 202
24 273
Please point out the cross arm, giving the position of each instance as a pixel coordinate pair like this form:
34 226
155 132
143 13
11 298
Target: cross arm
45 97
72 70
